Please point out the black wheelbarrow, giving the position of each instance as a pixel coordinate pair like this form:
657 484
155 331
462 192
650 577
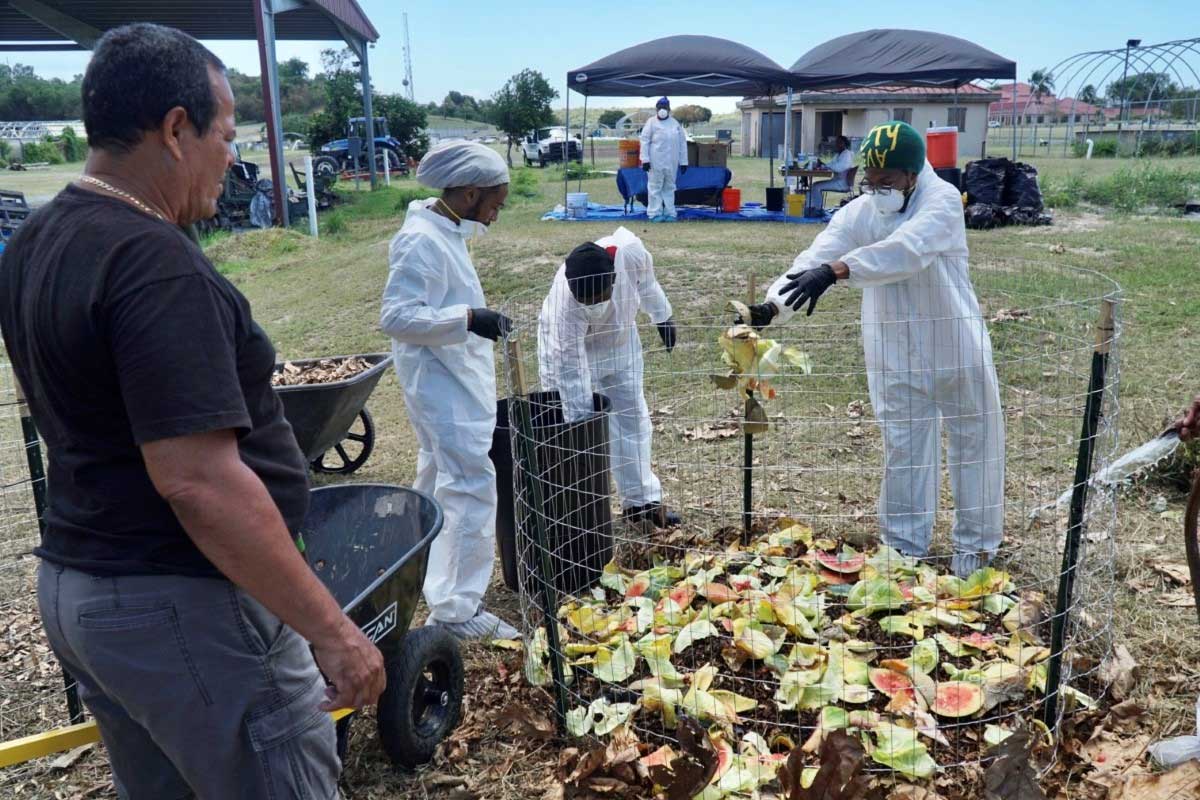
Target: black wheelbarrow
332 425
369 544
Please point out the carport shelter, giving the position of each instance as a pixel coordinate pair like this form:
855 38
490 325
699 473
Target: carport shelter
49 25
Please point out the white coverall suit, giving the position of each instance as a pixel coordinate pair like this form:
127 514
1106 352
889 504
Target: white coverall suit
449 380
929 363
664 148
578 356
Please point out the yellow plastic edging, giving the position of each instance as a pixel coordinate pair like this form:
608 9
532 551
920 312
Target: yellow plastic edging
47 743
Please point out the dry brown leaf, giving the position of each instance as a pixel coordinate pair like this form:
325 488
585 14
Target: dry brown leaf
1110 755
1009 315
68 759
1119 671
692 768
1181 783
1177 573
327 370
1180 598
840 776
1012 776
526 722
710 432
910 792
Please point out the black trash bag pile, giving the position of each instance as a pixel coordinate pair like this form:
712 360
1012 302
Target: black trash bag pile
1001 192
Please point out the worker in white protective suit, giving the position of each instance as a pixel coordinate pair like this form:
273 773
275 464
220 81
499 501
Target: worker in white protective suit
588 342
442 340
928 353
840 166
663 149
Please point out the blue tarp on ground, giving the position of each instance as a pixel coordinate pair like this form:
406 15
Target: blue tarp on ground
751 212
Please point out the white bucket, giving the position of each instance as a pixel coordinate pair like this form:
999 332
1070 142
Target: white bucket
577 205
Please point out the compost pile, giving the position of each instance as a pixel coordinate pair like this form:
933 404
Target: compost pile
327 370
774 646
1002 192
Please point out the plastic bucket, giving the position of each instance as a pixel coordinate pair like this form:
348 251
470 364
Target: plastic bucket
941 147
629 151
731 201
577 205
774 198
576 493
795 205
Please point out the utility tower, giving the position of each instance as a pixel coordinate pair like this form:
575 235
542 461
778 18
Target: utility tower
408 78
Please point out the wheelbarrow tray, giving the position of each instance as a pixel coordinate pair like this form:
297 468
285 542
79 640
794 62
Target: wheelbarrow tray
369 545
321 413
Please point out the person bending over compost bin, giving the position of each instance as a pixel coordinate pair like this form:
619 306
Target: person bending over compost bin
443 335
588 342
172 585
928 353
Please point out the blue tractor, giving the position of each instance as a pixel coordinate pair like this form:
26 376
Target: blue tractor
342 155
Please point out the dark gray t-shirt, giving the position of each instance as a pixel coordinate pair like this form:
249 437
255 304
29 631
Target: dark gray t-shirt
122 333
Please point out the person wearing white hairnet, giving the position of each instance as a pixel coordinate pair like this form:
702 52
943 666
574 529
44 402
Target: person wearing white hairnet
663 150
927 348
588 342
442 340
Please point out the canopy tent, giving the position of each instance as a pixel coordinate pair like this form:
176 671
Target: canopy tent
704 66
897 57
61 25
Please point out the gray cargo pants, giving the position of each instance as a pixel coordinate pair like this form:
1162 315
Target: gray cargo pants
198 690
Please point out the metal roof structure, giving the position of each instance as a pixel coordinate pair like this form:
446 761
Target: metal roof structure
66 24
40 25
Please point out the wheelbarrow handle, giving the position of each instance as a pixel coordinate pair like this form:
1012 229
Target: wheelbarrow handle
1190 542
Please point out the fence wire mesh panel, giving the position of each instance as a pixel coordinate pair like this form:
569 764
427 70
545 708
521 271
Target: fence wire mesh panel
33 694
883 554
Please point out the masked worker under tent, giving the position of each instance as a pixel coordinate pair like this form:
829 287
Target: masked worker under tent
443 334
588 342
663 149
926 344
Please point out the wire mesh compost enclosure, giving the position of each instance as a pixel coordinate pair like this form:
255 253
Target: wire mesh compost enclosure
886 528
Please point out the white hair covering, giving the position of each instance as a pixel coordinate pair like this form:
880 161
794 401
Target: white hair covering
458 164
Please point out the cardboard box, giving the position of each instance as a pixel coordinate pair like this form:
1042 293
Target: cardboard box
709 154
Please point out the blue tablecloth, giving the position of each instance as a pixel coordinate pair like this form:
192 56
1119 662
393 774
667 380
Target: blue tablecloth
697 185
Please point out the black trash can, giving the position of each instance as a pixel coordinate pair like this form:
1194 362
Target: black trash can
774 198
576 495
951 175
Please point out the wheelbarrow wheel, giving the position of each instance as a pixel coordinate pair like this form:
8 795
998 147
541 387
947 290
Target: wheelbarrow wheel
423 699
352 451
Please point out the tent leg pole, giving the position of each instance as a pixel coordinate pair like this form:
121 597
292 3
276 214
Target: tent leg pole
1014 120
582 136
566 151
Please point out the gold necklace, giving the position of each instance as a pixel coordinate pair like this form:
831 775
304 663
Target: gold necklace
122 194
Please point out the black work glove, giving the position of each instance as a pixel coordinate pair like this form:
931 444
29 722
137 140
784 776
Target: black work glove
682 169
807 286
489 324
646 167
761 315
666 332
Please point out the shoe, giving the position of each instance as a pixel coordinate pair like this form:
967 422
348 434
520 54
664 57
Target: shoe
484 626
655 513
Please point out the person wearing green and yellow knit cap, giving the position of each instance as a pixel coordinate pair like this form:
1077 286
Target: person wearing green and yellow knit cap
926 344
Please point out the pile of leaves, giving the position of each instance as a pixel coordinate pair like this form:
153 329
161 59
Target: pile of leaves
776 645
327 370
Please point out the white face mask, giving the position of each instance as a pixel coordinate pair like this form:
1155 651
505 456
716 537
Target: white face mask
663 113
889 203
597 311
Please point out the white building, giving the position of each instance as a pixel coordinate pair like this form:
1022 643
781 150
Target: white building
819 117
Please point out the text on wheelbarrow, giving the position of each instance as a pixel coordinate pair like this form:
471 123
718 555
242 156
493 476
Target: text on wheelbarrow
382 625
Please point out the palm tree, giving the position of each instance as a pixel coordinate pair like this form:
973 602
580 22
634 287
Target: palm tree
1041 83
1088 95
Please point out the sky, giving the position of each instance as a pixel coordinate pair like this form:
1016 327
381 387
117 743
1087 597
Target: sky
473 47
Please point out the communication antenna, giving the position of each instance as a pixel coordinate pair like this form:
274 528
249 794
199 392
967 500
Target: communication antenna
408 76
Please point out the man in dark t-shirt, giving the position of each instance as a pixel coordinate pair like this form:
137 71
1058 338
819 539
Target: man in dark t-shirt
170 585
